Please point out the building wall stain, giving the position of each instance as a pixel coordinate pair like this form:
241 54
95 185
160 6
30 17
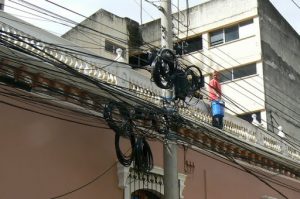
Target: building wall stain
281 68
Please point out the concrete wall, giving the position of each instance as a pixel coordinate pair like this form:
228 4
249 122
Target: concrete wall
43 157
281 52
245 93
206 17
103 22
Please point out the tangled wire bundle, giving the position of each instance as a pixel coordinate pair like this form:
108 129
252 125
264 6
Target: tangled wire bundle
167 73
119 119
163 67
143 159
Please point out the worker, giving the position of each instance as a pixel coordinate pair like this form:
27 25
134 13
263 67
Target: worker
215 95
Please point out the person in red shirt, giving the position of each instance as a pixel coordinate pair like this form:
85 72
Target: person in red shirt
215 94
214 87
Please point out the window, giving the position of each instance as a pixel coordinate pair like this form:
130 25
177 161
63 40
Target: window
244 71
239 72
231 33
226 75
189 45
145 194
248 116
111 47
246 29
138 61
216 37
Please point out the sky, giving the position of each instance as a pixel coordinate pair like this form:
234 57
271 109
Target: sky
122 8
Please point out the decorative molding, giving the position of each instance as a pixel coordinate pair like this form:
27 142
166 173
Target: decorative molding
123 174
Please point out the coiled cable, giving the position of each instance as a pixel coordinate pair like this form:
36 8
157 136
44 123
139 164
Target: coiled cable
143 159
119 118
123 158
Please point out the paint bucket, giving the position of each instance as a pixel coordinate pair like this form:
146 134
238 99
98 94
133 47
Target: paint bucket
218 108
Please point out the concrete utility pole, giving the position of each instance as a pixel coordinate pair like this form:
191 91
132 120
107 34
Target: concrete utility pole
166 25
171 188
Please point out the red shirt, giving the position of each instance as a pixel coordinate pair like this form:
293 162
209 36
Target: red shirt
213 88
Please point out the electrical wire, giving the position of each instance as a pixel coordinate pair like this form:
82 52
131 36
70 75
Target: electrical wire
260 179
45 114
68 20
298 121
296 4
243 79
49 105
245 110
215 53
226 97
88 183
236 165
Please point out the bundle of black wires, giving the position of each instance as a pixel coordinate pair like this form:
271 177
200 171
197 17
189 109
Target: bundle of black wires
163 68
143 159
123 158
118 118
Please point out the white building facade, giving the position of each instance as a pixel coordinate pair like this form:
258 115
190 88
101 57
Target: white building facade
230 36
247 41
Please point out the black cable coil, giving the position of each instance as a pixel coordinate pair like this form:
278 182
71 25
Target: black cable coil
143 159
124 159
117 117
163 68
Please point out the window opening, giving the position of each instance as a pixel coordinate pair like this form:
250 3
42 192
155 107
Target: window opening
241 30
238 72
112 47
248 116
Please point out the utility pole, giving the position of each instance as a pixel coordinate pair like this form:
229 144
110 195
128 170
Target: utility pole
171 189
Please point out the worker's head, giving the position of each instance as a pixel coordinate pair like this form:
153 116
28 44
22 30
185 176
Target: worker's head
216 75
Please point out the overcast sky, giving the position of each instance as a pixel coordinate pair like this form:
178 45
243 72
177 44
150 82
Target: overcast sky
122 8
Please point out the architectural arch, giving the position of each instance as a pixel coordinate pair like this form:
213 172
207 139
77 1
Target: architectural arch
132 181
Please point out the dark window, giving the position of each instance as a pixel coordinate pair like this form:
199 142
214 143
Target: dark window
225 75
111 47
137 61
193 44
248 116
189 45
244 71
144 194
250 21
216 37
235 73
231 33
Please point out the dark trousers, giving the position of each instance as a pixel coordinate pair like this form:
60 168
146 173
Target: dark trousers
217 122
